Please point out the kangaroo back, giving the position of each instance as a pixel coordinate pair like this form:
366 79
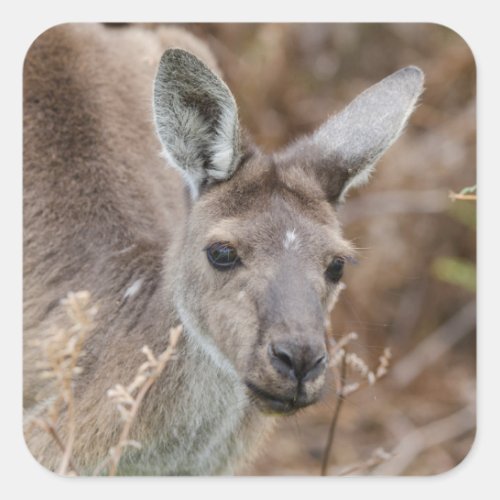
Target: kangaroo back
96 192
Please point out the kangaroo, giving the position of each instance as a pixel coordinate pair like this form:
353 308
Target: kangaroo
141 187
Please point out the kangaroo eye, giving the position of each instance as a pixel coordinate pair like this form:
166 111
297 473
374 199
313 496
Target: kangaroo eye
222 256
335 269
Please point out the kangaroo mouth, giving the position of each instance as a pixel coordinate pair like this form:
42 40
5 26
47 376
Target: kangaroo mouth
270 403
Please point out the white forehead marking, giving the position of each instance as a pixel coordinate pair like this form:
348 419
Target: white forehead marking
291 240
133 289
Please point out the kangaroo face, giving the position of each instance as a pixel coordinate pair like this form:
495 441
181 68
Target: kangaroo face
262 254
258 276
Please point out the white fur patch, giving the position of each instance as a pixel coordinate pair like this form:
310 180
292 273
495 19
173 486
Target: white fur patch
133 289
291 240
223 146
124 250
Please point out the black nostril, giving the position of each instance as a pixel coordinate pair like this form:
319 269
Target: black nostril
296 362
315 368
282 360
283 355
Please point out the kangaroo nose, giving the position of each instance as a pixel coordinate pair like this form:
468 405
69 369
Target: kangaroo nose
298 362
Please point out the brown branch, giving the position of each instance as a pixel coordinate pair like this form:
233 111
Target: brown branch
462 197
50 429
333 424
122 441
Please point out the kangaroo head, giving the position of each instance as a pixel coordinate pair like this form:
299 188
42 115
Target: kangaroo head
262 253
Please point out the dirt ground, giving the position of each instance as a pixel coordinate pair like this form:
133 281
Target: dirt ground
413 289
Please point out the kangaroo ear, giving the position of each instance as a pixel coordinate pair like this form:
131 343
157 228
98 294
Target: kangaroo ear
344 150
196 119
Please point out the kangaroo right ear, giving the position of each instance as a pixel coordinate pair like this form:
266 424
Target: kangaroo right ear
343 151
196 119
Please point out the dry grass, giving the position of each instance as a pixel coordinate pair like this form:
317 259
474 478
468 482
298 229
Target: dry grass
128 399
346 364
63 348
61 351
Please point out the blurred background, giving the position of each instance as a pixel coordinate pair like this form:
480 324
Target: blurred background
413 289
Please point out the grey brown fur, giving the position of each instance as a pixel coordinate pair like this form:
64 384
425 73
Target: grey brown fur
103 212
196 119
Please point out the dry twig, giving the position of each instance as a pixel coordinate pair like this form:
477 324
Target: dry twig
462 197
128 399
340 356
336 413
467 194
62 349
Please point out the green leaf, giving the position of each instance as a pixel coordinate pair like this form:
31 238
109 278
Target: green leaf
469 190
456 271
464 213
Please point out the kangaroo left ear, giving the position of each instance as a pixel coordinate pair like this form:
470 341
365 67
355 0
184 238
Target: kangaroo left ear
343 151
196 119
